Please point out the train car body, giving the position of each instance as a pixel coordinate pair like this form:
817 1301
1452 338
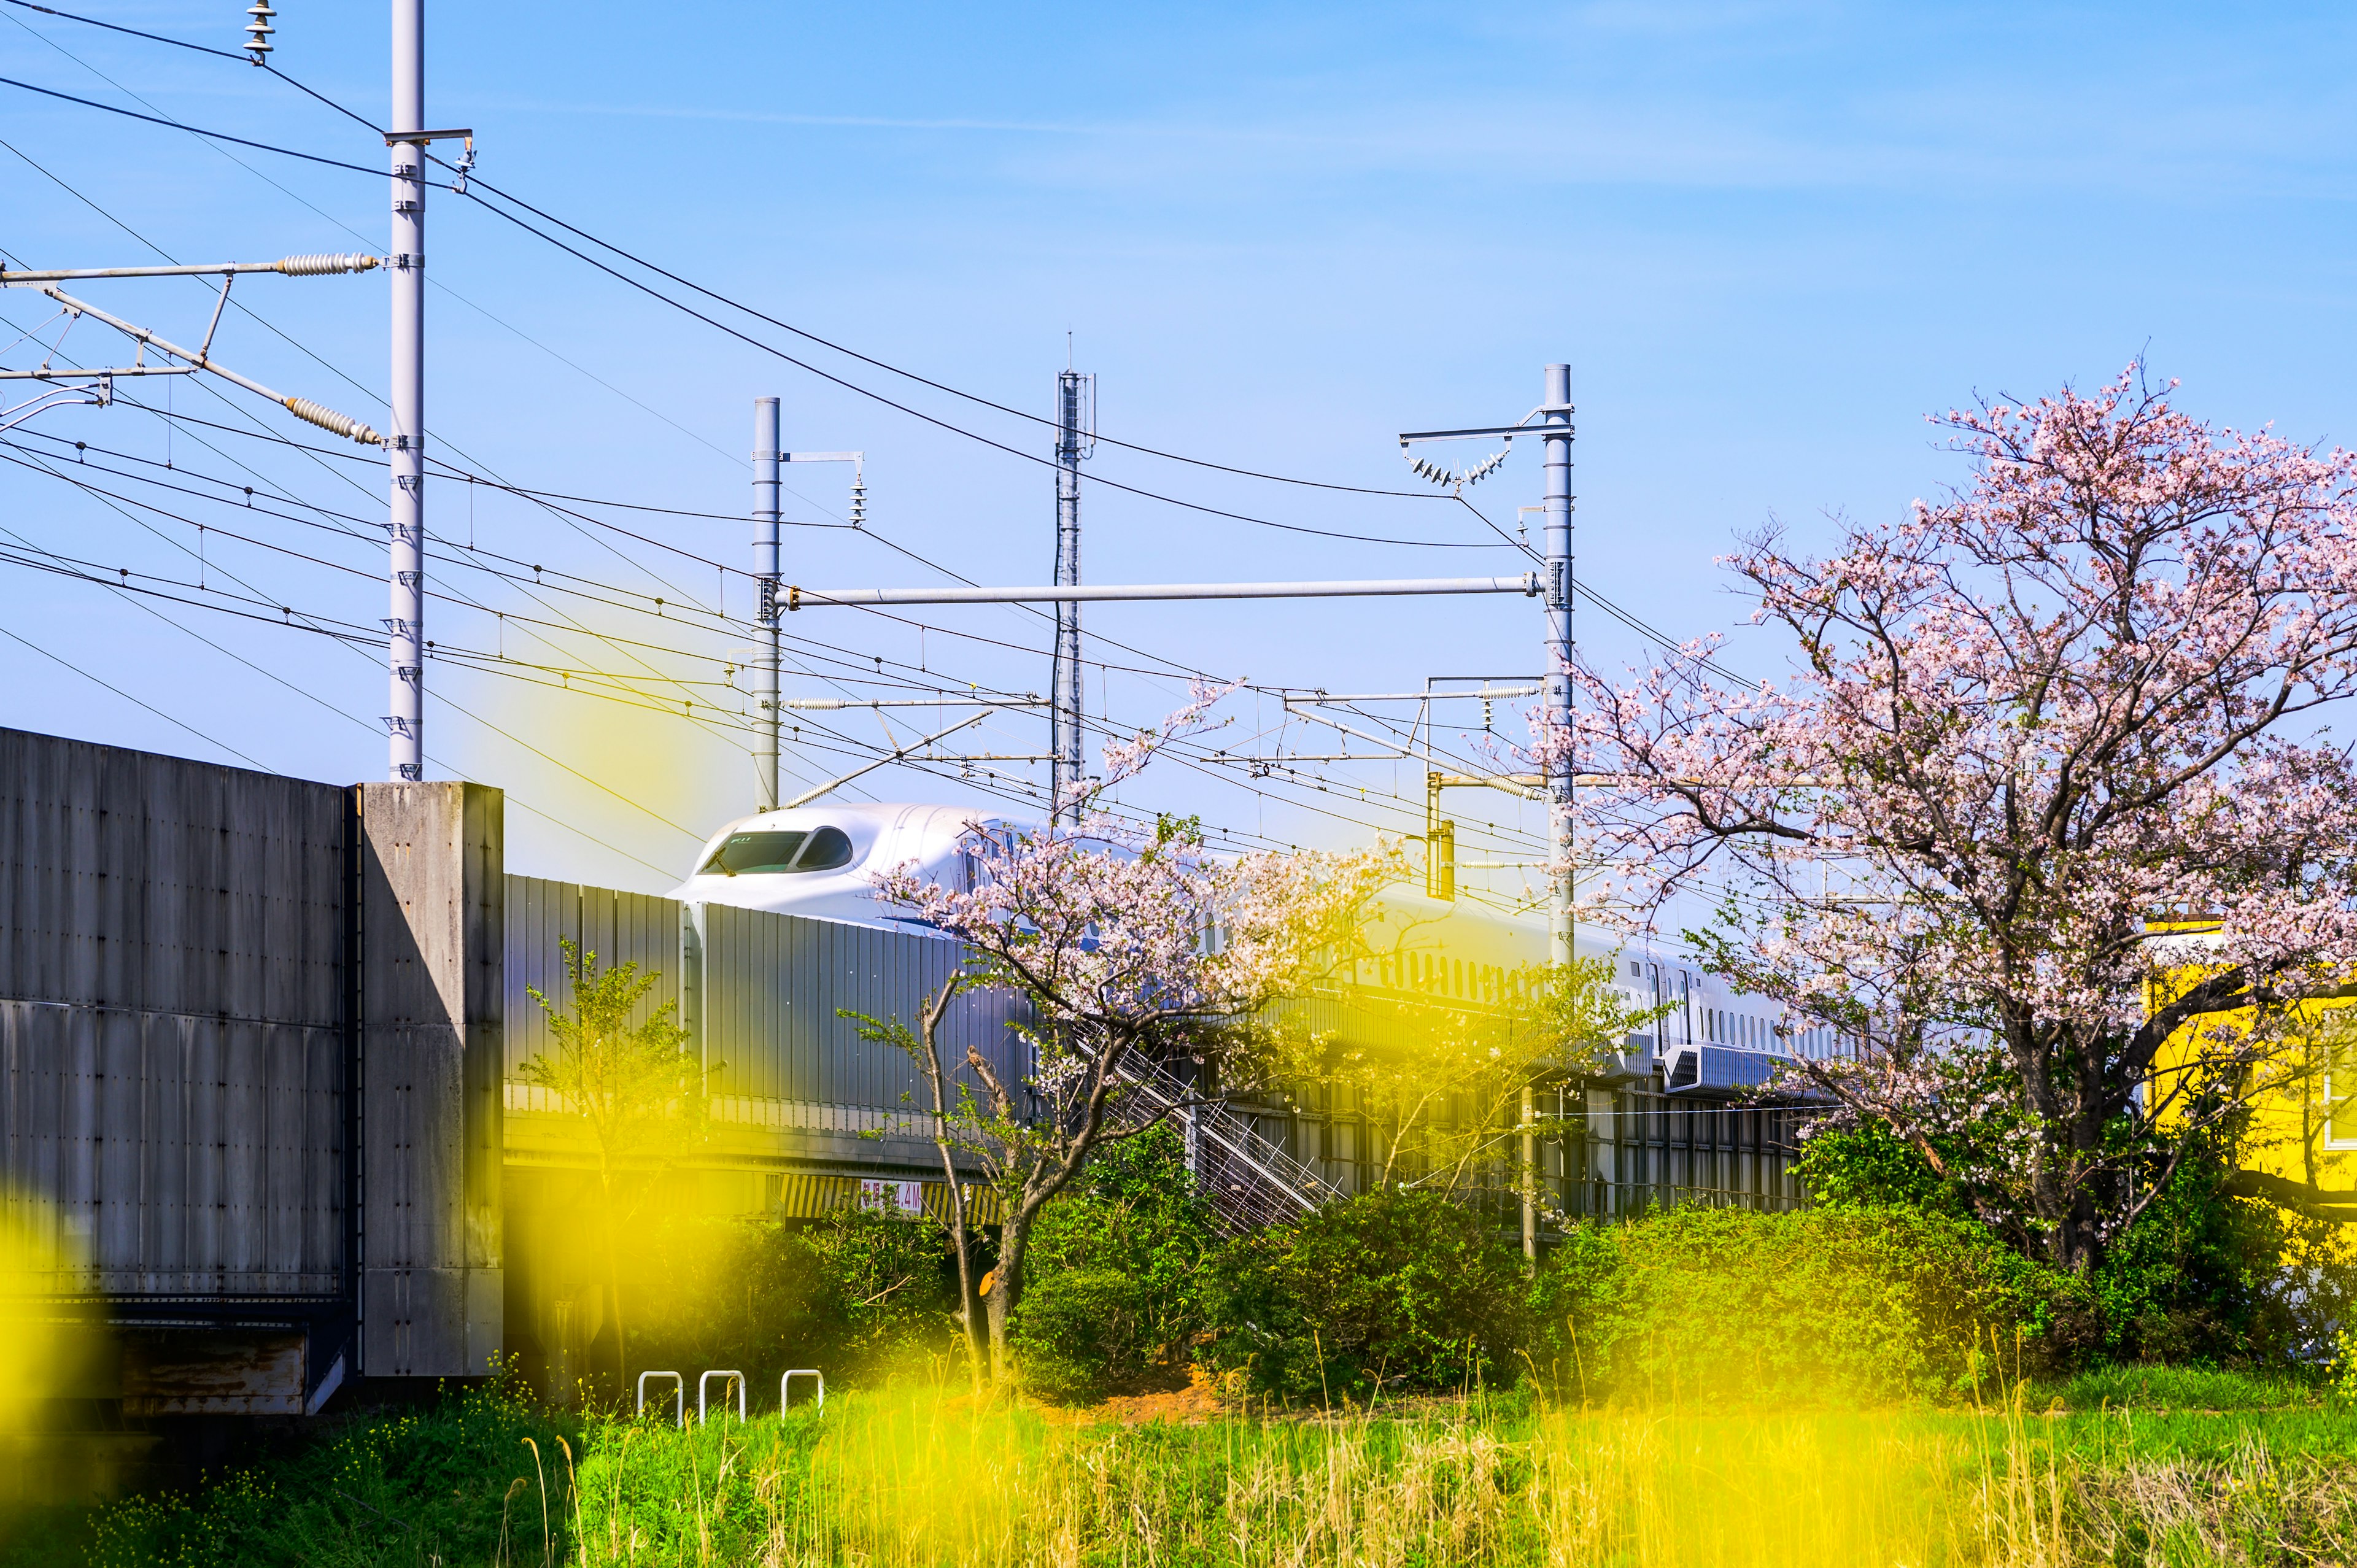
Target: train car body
1712 1039
823 862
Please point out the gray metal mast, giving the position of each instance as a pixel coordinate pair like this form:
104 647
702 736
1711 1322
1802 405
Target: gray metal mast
1556 414
765 571
405 447
1072 444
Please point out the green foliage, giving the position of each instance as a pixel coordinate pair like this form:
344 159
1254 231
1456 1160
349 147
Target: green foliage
1870 1166
652 1493
2150 1387
1843 1306
1393 1290
452 1482
634 1083
2193 1278
863 1296
1114 1297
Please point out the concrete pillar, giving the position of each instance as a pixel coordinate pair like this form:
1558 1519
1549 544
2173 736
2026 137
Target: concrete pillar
430 1079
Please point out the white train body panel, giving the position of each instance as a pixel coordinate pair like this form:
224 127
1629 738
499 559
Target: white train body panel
839 885
822 861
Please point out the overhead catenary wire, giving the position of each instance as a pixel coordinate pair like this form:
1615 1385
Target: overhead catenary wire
690 285
804 333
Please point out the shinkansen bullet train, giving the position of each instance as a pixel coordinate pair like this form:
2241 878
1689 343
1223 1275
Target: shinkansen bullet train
822 861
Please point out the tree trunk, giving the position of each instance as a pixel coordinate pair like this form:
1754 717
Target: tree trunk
614 1291
1007 1283
958 1231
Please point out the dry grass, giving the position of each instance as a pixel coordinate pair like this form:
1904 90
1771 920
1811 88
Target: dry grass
929 1479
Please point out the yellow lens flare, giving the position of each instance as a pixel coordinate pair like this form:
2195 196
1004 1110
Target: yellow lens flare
54 1355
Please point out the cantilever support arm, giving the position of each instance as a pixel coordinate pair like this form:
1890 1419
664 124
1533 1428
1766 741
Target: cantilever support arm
1101 592
301 408
807 796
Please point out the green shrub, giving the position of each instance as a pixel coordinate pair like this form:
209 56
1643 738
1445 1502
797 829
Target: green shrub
1392 1291
1831 1304
863 1296
1112 1299
1870 1167
450 1482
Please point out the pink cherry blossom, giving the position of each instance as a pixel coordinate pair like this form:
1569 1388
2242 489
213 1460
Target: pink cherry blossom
2025 725
1138 952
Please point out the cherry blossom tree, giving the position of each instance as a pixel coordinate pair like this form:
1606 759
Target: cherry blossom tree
2049 784
1138 952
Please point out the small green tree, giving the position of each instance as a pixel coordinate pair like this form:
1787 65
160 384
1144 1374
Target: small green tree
1476 1062
641 1095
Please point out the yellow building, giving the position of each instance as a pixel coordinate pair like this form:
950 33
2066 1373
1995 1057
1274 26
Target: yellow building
2301 1148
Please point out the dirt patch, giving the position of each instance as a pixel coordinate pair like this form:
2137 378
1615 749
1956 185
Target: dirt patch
1193 1405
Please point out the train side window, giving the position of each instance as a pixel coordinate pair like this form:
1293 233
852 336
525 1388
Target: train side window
828 849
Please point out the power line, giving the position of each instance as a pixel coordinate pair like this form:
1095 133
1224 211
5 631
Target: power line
115 28
803 333
198 131
208 740
742 336
813 369
899 407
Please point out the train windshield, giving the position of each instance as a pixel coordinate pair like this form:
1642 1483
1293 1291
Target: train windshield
755 854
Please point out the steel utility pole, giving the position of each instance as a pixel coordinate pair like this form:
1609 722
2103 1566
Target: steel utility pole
1072 444
765 573
1554 415
406 447
1555 410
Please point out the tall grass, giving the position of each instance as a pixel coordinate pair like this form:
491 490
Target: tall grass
932 1479
921 1477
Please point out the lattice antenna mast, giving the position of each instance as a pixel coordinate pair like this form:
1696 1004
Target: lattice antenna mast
1076 437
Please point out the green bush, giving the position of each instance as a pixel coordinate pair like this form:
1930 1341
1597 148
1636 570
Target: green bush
1857 1304
1112 1300
451 1482
1870 1167
1392 1291
866 1297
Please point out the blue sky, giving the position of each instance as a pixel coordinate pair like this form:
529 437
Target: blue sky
1768 238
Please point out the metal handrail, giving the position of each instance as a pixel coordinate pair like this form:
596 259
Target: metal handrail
703 1382
678 1393
786 1383
1249 1181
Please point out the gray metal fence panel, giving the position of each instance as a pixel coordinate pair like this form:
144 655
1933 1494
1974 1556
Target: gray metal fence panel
176 1155
775 987
128 879
617 928
172 1019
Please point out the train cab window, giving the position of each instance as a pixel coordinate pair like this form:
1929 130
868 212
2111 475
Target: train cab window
770 853
829 849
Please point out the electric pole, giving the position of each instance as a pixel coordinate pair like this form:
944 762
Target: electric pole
1554 416
1073 443
1555 411
765 573
405 447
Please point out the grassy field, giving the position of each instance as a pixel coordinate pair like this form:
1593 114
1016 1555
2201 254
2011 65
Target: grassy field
936 1477
931 1479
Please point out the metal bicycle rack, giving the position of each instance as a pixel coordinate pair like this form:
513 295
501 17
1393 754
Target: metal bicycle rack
704 1382
678 1395
786 1383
